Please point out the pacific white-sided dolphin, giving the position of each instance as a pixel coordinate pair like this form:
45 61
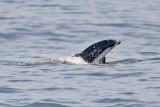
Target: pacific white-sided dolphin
95 53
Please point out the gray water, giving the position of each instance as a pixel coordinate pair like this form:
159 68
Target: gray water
35 34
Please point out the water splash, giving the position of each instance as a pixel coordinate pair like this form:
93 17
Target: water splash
71 59
62 60
75 60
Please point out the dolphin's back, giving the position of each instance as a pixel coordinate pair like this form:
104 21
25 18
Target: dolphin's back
97 51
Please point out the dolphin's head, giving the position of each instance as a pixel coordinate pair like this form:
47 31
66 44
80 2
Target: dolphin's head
96 52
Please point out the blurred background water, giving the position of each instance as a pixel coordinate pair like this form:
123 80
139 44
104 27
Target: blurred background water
34 33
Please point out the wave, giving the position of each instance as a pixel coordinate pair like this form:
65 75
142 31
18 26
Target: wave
62 60
75 60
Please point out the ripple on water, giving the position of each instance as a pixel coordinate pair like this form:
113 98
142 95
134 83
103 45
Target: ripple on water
127 93
120 75
149 53
20 81
40 104
4 89
112 100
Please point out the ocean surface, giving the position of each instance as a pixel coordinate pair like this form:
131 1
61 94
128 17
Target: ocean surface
38 38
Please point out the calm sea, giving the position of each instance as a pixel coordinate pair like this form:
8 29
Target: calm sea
38 38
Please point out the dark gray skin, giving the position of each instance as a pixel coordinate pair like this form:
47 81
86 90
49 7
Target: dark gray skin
98 51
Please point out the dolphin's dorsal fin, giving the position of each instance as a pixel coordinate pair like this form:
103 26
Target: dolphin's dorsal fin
103 60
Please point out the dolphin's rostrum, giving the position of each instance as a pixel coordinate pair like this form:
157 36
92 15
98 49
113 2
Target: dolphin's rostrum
95 53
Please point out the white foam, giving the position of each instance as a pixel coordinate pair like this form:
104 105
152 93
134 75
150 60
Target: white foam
71 59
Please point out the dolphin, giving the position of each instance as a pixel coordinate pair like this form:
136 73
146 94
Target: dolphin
95 54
